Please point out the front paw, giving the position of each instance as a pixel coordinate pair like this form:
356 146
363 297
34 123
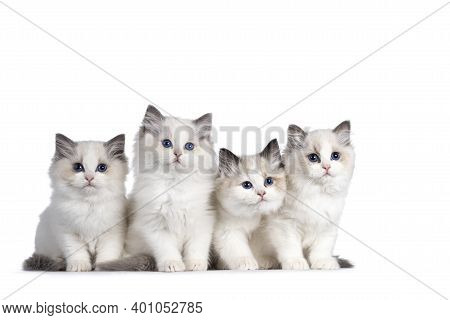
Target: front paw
244 264
295 264
196 265
171 266
78 266
325 264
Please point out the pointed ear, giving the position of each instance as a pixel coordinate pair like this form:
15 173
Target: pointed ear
204 126
65 148
272 154
343 132
228 163
116 148
296 137
153 120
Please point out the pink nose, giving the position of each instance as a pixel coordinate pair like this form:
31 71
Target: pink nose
89 178
262 194
326 167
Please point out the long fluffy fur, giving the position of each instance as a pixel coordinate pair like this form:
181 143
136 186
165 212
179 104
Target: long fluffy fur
345 264
172 220
240 210
316 198
76 214
136 263
38 262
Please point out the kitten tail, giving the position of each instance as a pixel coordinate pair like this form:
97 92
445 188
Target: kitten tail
344 263
135 263
39 262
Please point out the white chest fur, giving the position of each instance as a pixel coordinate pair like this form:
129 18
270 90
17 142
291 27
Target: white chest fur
89 219
314 208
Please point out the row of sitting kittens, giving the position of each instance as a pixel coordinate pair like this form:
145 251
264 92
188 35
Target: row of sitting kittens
260 217
283 212
168 216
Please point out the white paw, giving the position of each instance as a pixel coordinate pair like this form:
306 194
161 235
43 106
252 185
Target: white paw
295 264
79 266
196 265
172 266
324 264
244 264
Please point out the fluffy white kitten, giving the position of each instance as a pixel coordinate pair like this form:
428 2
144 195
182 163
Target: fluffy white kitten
169 207
319 167
247 189
86 217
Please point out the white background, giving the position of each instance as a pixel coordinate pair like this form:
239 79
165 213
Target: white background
245 61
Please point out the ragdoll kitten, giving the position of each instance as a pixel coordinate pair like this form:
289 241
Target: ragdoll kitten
247 189
319 167
86 216
169 208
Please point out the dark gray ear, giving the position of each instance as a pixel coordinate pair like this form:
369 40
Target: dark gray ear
228 163
296 137
153 121
116 148
272 153
343 132
65 148
204 126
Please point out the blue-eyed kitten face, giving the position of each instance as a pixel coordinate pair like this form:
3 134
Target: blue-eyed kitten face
175 145
324 156
251 185
89 166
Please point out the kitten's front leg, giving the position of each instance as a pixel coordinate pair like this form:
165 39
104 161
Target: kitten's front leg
196 250
234 250
165 250
76 254
321 251
287 242
110 246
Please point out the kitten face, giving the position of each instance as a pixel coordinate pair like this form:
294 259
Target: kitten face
251 185
89 167
175 145
324 156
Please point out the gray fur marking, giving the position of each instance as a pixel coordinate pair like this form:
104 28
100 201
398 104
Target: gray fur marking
39 262
343 132
344 263
65 147
137 263
272 153
343 126
153 121
204 124
296 137
228 163
116 148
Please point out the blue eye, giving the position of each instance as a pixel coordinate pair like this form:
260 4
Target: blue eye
167 143
335 156
269 181
78 167
247 185
189 146
314 157
102 167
